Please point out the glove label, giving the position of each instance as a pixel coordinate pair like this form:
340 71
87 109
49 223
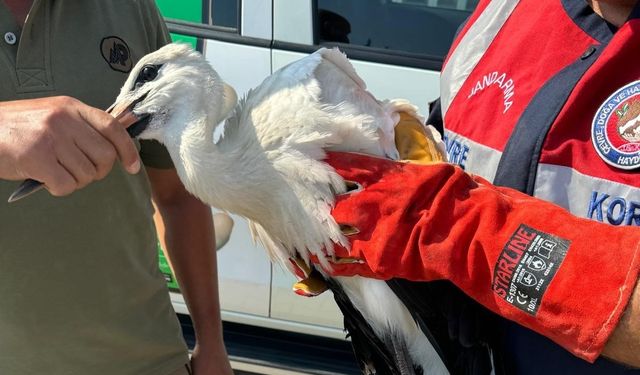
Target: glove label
526 266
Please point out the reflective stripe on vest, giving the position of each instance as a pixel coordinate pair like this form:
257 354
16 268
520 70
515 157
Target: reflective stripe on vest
471 48
498 107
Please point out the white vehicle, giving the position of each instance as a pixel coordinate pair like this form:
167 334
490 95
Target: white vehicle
397 47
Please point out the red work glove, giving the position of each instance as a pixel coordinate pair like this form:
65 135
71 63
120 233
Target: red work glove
529 261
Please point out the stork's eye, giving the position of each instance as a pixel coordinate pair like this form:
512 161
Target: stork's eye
147 73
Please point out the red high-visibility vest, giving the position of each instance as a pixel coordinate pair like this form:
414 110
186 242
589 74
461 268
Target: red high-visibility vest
544 97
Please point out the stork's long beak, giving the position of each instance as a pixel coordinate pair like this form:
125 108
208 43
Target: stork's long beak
123 112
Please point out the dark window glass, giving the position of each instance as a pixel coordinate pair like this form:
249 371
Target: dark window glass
225 13
415 26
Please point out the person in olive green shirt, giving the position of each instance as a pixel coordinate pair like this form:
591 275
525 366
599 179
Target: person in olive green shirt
79 281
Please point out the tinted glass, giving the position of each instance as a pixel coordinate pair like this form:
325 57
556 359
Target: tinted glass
225 13
416 26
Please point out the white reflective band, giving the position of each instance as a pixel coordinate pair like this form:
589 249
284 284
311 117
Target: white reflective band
481 160
587 196
471 48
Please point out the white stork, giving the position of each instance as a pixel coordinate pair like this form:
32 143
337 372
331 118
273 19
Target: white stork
267 165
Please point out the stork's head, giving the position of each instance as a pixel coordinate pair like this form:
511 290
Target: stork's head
170 88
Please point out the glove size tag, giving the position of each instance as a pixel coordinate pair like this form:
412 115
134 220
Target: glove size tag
526 266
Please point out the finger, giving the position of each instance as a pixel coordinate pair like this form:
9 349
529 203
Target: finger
111 129
77 164
59 181
98 150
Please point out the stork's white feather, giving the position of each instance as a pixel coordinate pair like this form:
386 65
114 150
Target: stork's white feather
268 162
276 136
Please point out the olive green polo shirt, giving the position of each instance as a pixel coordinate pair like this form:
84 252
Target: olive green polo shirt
80 289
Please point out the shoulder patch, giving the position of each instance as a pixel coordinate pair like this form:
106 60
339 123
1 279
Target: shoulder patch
615 130
116 53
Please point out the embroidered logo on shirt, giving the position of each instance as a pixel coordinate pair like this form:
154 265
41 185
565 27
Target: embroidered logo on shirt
116 53
615 130
526 266
502 81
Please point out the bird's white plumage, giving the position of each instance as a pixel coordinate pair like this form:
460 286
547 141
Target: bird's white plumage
315 104
267 165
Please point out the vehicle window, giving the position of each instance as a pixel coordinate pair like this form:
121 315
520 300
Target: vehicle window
225 13
415 26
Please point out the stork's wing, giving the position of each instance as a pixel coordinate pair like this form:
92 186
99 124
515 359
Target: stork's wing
460 329
322 93
343 88
372 354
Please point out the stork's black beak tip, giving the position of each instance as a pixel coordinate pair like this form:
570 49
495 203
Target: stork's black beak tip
123 112
139 126
27 187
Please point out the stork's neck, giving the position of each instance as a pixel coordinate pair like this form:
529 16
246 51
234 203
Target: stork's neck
242 175
233 174
191 127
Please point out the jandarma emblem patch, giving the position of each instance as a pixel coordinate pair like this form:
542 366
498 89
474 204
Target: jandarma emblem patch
615 130
116 53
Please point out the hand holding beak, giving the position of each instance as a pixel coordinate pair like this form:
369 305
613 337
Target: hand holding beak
61 142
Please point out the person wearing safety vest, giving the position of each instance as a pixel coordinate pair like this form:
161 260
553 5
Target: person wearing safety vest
537 215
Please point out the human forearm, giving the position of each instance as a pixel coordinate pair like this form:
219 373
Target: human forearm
624 344
186 232
194 263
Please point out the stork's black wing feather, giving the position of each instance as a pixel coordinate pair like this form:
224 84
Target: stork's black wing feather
372 353
460 329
